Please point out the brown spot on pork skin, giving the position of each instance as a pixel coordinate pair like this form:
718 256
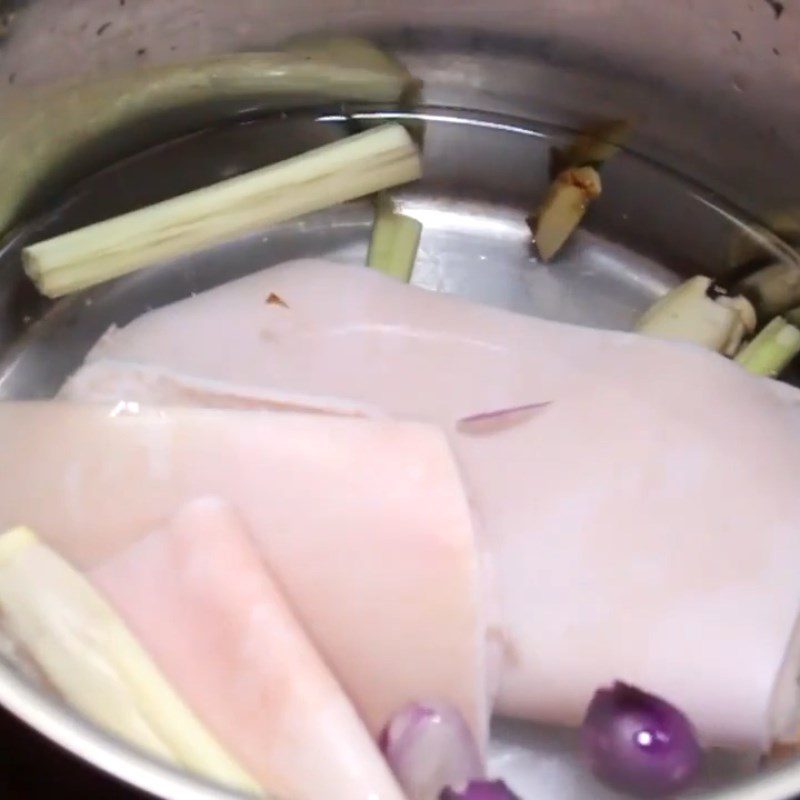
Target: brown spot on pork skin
276 300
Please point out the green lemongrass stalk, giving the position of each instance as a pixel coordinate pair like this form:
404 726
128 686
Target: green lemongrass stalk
395 241
344 170
563 208
64 131
91 658
772 350
688 314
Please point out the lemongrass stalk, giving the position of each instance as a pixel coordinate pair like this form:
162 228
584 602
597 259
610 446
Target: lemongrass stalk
792 316
597 143
772 350
688 314
774 241
395 241
344 170
91 658
40 623
61 132
563 209
576 182
357 53
775 288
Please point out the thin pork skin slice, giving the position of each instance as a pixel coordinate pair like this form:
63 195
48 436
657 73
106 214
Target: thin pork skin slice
363 522
643 524
199 598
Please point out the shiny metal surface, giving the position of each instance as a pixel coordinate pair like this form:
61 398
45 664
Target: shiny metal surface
710 84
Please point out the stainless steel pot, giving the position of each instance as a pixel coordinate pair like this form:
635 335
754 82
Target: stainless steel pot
713 87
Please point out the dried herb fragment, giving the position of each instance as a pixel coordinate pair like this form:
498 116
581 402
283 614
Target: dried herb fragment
276 300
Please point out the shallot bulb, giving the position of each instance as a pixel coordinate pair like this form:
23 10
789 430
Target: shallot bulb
639 743
480 790
429 748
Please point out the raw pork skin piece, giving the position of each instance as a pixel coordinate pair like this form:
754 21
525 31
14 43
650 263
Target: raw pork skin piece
363 523
643 524
199 598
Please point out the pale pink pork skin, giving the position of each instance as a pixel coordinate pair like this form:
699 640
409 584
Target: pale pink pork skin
643 525
199 598
363 523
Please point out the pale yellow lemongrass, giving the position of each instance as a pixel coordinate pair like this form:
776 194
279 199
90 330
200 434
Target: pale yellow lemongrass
91 658
344 170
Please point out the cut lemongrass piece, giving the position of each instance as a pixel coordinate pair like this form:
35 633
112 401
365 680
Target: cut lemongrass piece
395 241
90 657
689 313
180 98
774 288
563 208
358 53
754 246
772 350
597 143
38 606
792 316
353 167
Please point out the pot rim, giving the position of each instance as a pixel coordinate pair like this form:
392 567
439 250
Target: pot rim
66 728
